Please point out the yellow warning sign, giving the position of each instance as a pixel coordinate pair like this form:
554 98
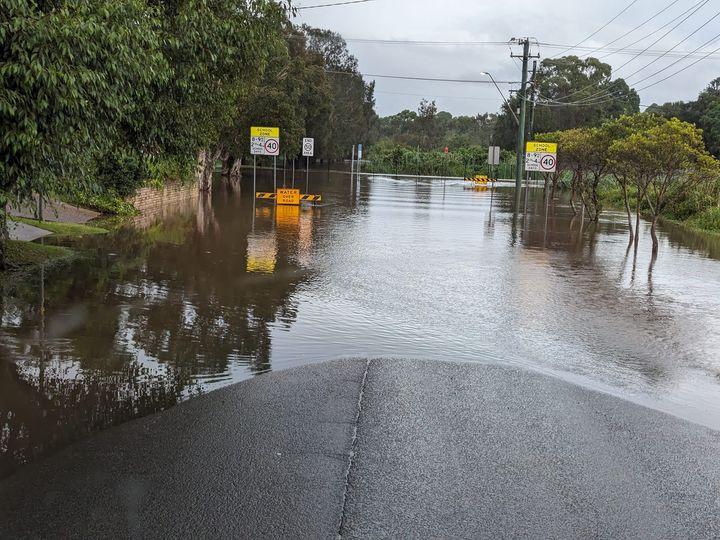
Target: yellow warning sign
289 197
266 132
286 216
542 147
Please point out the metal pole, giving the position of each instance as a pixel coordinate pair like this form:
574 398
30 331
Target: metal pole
275 173
307 174
293 173
254 176
352 165
522 95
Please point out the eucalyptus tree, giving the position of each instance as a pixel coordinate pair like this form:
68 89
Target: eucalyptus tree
625 173
667 160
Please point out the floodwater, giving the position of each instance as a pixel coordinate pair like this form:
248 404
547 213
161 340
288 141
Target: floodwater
216 291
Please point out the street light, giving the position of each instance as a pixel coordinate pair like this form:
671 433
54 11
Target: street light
517 121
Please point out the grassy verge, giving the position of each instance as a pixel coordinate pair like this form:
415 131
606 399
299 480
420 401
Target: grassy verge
62 229
19 254
706 221
107 203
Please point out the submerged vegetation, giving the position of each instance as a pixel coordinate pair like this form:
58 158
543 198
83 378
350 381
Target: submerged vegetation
20 254
649 164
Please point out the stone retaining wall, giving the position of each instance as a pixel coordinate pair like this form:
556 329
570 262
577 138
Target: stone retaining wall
156 204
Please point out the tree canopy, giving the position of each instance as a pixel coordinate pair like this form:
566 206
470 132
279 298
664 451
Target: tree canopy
704 112
571 92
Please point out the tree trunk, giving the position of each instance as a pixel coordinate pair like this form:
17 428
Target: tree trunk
573 192
3 237
236 170
653 233
637 222
227 161
206 168
626 199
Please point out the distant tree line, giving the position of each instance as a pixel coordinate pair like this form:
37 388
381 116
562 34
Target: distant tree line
704 112
430 129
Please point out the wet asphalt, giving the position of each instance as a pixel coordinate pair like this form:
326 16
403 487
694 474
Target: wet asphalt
381 449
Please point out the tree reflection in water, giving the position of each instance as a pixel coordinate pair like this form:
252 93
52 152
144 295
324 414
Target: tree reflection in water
152 316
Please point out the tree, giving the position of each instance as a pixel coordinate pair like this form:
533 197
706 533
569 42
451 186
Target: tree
353 101
670 159
625 173
217 50
294 94
71 73
702 112
572 93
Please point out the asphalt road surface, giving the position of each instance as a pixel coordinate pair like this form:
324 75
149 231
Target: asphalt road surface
381 448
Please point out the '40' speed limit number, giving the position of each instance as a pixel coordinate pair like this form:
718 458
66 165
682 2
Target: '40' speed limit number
548 163
272 147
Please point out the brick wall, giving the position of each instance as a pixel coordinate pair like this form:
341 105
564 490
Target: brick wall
155 203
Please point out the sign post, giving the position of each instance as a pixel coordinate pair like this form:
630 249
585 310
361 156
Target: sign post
308 149
493 159
352 167
265 141
359 160
541 156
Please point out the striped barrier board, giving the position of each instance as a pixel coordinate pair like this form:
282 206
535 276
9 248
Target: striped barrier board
274 197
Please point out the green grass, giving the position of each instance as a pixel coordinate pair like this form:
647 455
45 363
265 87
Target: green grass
708 220
19 253
62 229
107 203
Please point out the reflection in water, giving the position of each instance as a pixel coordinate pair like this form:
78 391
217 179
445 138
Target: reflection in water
223 288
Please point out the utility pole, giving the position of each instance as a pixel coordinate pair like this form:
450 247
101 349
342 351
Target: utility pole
522 96
533 89
532 121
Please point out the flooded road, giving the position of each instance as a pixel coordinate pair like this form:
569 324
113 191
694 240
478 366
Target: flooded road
214 292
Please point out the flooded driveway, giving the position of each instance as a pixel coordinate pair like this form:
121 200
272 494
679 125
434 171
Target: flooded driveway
219 290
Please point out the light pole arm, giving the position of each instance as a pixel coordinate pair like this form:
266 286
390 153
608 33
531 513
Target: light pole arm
507 104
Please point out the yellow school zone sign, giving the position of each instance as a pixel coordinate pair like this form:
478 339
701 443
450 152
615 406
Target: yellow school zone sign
265 132
542 147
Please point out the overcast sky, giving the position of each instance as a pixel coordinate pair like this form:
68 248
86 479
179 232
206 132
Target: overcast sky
553 22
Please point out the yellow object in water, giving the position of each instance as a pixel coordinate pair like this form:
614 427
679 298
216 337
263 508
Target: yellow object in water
478 179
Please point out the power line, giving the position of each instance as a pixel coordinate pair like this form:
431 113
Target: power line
627 47
714 38
702 4
643 68
678 43
636 28
438 97
411 78
676 73
410 42
346 3
631 4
